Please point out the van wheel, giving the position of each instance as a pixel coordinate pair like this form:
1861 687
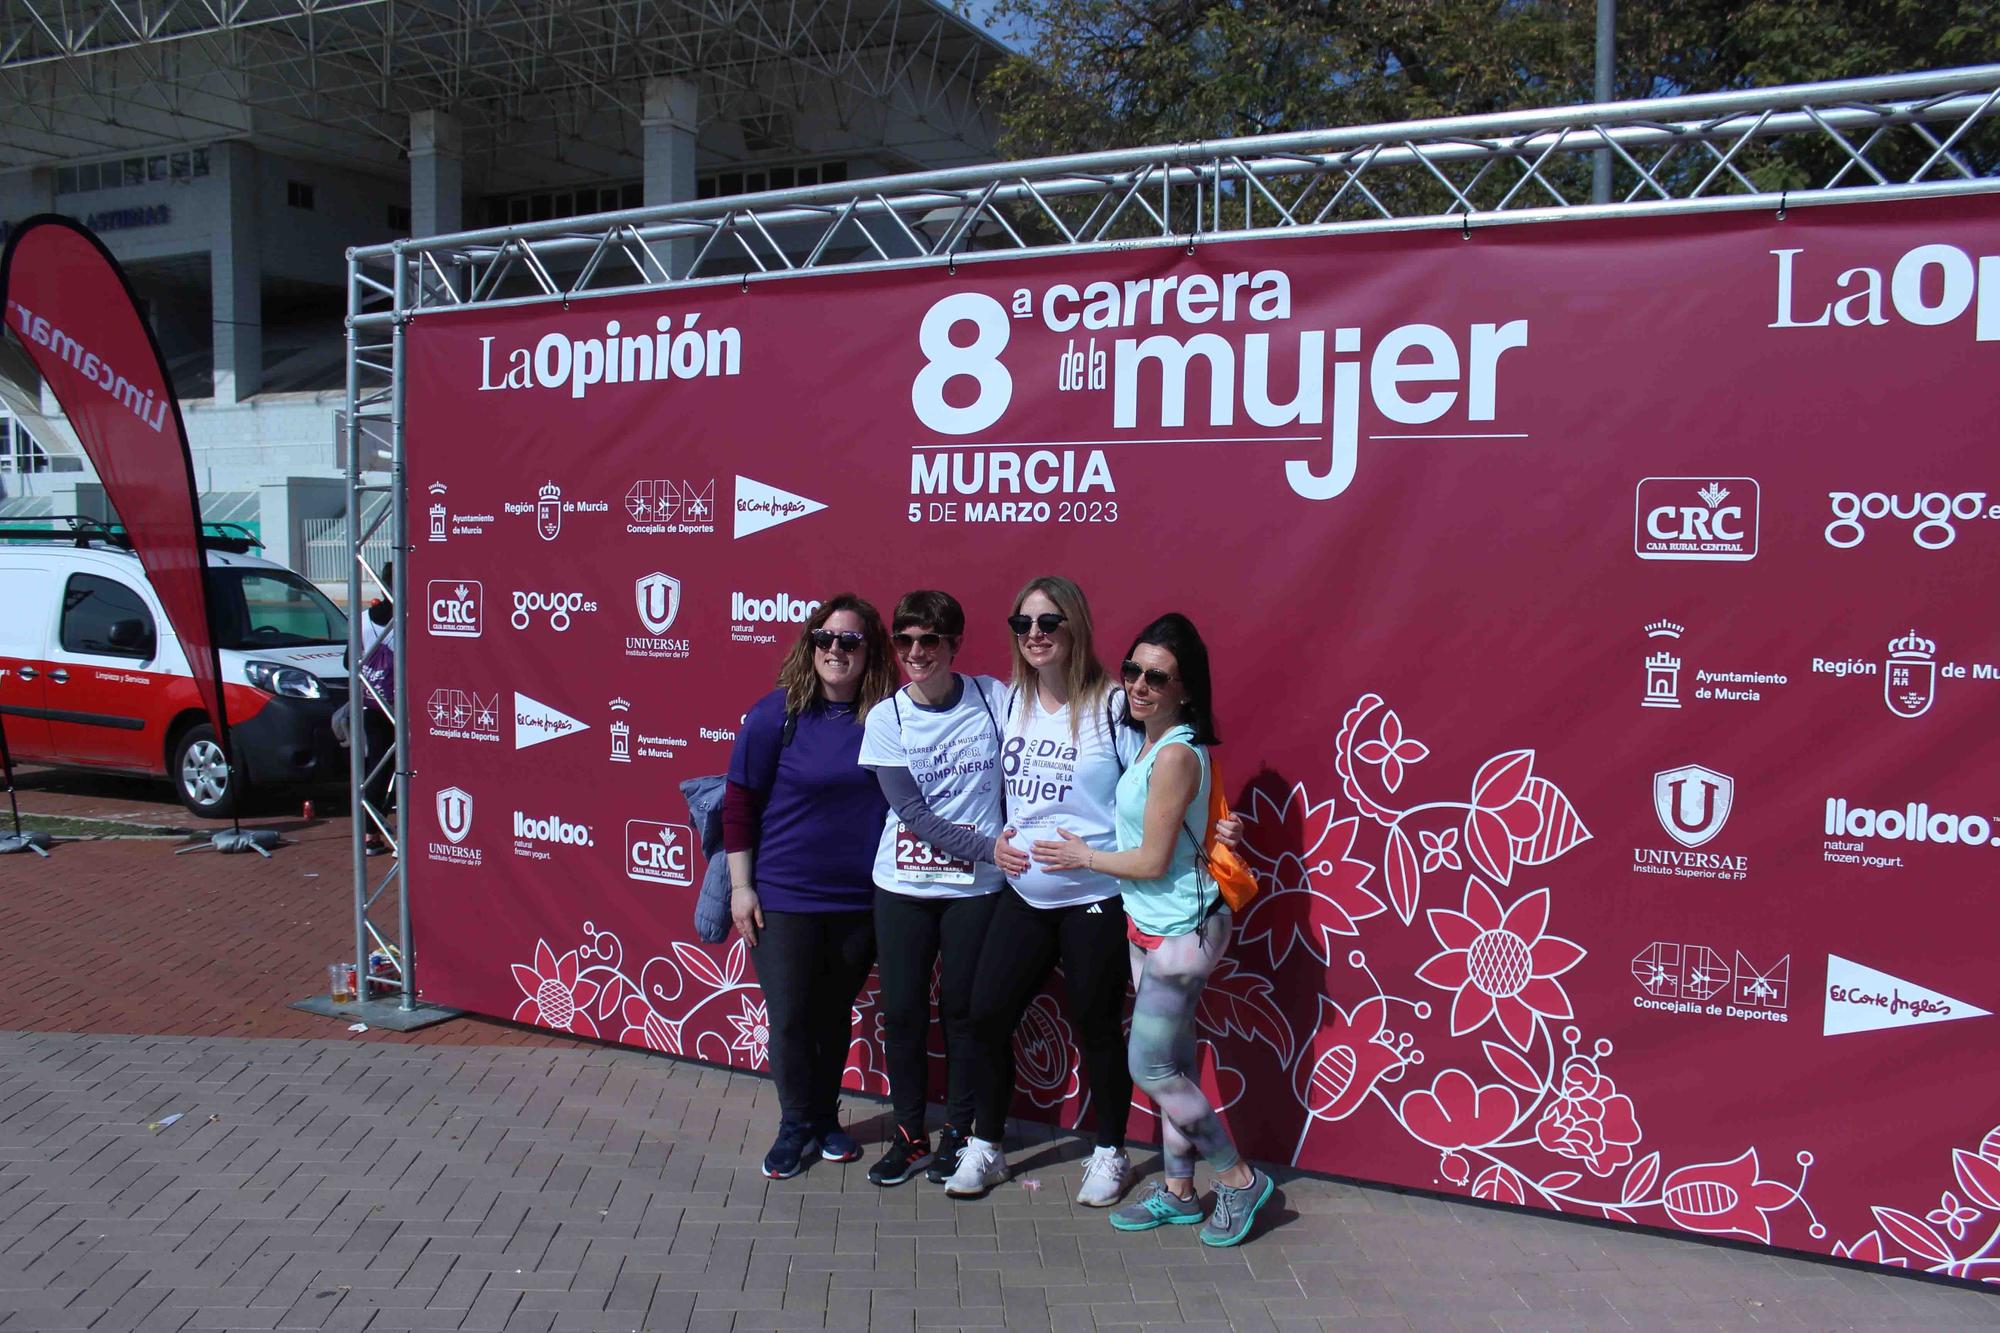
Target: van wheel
201 777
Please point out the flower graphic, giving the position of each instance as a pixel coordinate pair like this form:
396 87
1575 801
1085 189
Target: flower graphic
1454 1112
645 1027
1045 1054
1869 1250
556 996
1294 826
1501 963
1440 850
1726 1198
1390 750
1590 1121
1310 902
1348 1056
753 1032
1952 1215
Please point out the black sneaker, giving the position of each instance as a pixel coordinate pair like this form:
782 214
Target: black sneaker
945 1161
900 1162
789 1152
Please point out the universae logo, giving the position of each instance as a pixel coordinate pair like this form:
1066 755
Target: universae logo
1693 802
454 812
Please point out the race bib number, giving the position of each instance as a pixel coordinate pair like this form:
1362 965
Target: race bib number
918 862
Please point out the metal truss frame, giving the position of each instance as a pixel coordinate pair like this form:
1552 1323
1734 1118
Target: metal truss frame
517 72
1907 136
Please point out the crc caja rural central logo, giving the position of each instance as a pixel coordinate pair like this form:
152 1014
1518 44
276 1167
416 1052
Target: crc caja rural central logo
1695 518
453 608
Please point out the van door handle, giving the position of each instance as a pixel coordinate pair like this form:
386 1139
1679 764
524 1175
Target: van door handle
27 672
59 676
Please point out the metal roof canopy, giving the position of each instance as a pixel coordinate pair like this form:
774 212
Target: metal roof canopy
517 72
1892 137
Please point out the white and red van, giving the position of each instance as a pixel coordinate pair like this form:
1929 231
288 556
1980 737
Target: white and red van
92 675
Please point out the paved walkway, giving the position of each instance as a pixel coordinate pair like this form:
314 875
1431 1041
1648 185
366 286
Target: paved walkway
483 1177
328 1185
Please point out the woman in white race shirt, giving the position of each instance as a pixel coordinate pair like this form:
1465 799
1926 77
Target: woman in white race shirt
1061 758
934 746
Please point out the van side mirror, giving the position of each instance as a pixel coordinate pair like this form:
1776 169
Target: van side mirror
129 636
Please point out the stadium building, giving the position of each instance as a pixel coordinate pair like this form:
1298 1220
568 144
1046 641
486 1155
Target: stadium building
229 154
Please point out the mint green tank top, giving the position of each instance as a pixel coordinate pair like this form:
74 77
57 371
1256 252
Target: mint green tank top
1175 903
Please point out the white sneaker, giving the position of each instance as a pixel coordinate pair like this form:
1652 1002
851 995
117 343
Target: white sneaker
1104 1178
981 1166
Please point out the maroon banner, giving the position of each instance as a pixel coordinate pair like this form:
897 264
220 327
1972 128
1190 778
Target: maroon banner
1600 622
74 314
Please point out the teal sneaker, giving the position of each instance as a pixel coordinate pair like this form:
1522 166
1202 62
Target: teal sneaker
1236 1210
1157 1207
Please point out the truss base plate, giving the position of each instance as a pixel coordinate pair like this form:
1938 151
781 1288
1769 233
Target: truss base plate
387 1014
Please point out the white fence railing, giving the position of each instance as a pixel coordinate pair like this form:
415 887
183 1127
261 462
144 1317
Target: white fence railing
326 549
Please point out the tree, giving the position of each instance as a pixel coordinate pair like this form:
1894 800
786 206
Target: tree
1116 73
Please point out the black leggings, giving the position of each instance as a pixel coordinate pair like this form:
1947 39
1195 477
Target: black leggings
1023 945
811 966
912 935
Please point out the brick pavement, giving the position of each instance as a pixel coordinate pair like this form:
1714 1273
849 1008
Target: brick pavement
125 936
483 1177
325 1185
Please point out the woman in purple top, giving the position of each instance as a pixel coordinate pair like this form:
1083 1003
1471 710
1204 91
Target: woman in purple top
800 820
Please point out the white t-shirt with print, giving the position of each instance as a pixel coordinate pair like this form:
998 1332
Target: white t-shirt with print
953 755
1056 782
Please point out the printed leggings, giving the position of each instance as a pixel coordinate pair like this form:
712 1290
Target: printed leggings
1164 1064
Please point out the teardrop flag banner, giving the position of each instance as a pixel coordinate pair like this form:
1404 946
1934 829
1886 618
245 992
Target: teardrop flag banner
73 313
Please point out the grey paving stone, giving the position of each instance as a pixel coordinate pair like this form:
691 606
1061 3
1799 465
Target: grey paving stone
347 1187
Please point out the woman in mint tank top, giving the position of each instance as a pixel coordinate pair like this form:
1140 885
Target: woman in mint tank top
1177 926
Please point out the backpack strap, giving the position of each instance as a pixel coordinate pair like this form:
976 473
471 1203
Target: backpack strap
999 744
1111 727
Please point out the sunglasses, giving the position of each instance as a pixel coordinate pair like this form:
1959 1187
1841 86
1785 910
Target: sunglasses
824 639
909 643
1155 678
1048 622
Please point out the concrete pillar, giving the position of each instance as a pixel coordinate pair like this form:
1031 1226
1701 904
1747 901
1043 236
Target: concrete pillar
668 132
284 508
437 174
235 294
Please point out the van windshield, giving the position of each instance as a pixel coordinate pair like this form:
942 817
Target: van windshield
271 608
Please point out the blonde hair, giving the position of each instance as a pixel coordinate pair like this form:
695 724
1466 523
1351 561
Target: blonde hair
1083 674
802 685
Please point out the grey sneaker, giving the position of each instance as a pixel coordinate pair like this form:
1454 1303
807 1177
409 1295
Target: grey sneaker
1157 1207
1236 1209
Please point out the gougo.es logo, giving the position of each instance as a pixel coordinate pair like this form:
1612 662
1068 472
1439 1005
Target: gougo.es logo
1935 513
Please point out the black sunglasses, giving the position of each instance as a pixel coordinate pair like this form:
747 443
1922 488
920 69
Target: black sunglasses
824 639
1155 678
907 643
1048 622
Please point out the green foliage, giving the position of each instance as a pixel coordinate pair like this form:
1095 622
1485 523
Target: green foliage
1119 73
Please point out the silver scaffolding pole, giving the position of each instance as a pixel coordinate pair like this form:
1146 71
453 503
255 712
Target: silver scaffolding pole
374 412
1892 137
